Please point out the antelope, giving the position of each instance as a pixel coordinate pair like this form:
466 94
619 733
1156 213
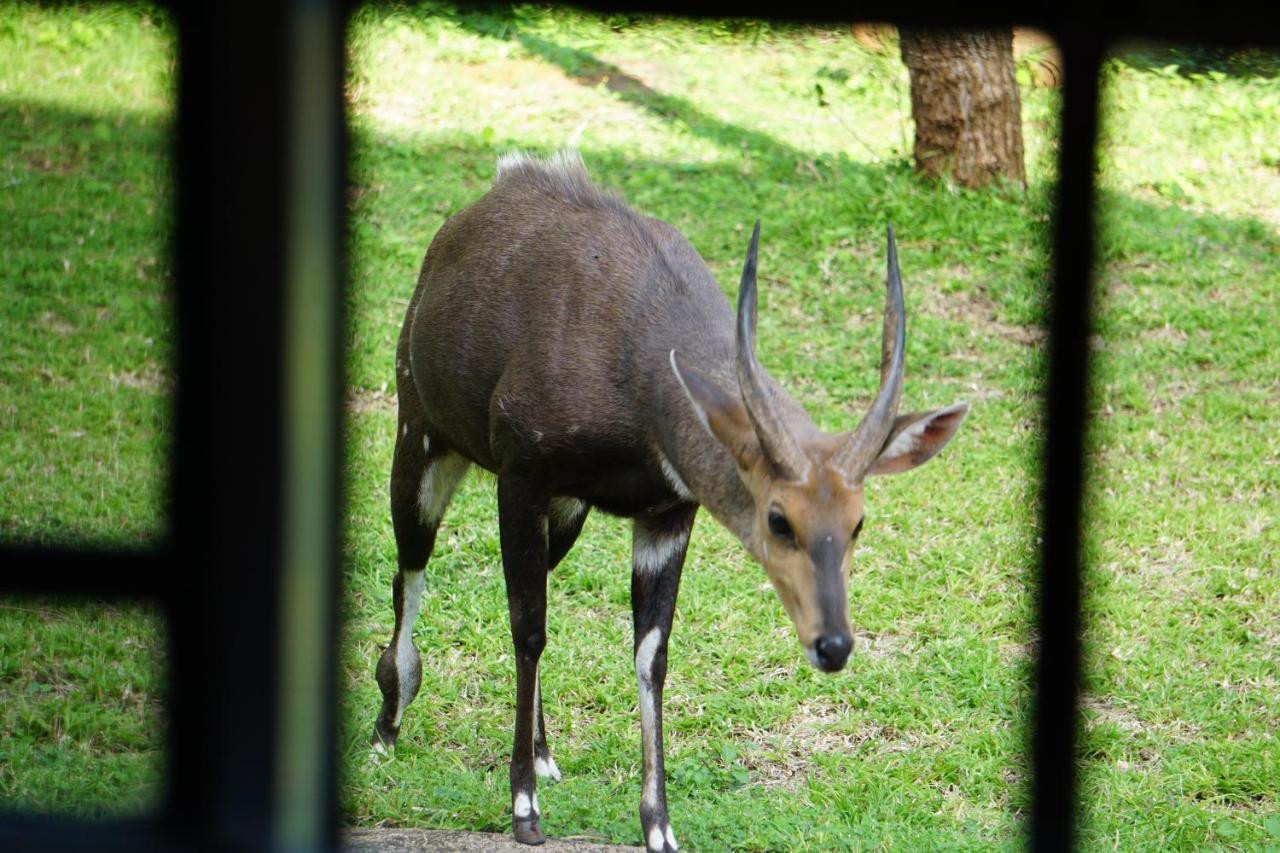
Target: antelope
584 354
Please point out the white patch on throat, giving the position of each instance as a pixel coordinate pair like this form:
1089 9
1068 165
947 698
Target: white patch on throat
651 552
673 478
697 410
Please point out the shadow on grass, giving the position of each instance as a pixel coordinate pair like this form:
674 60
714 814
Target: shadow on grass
1192 60
584 68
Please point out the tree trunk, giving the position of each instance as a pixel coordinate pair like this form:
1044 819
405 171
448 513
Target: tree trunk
964 99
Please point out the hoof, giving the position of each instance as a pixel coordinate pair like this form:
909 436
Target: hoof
527 831
383 740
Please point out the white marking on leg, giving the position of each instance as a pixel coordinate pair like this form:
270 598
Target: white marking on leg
537 704
645 654
405 431
563 513
671 839
650 552
673 478
406 654
533 712
438 484
426 444
546 768
535 803
523 806
655 838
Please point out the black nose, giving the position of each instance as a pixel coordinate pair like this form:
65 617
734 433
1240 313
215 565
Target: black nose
832 650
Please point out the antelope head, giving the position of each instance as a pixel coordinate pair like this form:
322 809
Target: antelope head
806 486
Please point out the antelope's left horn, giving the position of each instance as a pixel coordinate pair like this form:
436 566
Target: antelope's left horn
863 445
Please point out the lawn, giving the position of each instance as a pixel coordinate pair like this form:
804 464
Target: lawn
919 744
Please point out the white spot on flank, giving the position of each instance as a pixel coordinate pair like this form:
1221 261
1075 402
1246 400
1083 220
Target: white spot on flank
671 839
438 482
406 430
650 552
655 838
426 444
523 807
673 478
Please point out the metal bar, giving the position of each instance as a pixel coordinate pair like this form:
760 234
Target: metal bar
255 482
47 833
227 479
313 366
1058 666
31 569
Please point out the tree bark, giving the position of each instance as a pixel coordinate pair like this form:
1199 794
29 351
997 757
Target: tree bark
964 99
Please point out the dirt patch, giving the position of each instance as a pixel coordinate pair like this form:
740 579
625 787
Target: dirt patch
149 378
1099 711
423 840
974 309
59 161
783 757
55 324
363 400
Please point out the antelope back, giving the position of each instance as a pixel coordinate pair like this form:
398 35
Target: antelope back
550 292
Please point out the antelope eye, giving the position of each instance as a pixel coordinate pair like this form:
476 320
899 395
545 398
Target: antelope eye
858 529
780 527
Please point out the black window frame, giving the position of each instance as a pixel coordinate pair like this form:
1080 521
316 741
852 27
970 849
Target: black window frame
247 576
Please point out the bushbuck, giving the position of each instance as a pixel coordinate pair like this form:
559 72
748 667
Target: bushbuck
584 353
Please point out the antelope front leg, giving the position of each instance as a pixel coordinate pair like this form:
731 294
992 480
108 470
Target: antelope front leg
523 521
658 547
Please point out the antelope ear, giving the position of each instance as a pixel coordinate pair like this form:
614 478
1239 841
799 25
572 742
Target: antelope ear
721 413
917 438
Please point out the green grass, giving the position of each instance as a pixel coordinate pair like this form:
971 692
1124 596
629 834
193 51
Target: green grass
920 743
85 338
